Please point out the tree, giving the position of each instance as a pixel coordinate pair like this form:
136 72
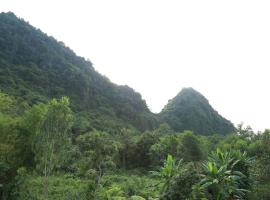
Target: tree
261 150
7 103
163 129
142 156
125 138
51 127
98 152
51 135
245 132
166 145
190 149
14 143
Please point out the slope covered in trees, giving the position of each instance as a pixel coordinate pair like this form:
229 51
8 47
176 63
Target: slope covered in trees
190 110
35 68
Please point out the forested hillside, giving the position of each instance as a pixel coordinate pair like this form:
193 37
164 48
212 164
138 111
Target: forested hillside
35 68
68 133
190 110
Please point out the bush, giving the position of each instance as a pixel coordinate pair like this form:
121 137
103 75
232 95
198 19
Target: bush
260 192
180 187
130 185
51 188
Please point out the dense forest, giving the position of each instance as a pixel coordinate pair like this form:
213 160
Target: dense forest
69 133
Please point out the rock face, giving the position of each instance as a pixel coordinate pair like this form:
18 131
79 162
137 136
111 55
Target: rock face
190 110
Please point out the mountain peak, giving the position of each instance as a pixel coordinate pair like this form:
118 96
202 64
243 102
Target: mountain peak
190 92
190 110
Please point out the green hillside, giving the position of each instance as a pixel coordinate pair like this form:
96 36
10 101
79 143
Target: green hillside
190 110
36 67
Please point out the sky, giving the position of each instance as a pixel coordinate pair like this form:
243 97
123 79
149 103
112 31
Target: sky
157 47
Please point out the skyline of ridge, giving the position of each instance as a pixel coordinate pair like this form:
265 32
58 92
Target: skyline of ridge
227 87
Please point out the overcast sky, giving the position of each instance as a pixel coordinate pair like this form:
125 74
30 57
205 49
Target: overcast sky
220 48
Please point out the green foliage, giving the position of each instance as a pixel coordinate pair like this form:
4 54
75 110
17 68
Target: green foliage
36 68
14 143
225 176
114 193
128 185
244 132
126 147
115 140
141 156
6 103
233 141
170 168
168 144
51 136
98 151
61 188
261 150
136 198
190 147
189 110
180 186
260 192
87 164
167 173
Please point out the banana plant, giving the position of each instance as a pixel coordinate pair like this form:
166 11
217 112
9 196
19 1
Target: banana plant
168 171
221 180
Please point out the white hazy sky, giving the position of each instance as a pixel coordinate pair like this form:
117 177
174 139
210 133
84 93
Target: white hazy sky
220 48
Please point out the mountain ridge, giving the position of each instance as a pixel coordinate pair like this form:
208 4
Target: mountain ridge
35 67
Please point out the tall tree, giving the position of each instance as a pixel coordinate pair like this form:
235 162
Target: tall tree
98 152
52 135
190 147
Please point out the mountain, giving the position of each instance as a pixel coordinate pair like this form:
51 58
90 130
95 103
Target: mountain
35 67
190 110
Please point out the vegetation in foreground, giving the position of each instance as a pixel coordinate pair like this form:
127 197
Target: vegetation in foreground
41 158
